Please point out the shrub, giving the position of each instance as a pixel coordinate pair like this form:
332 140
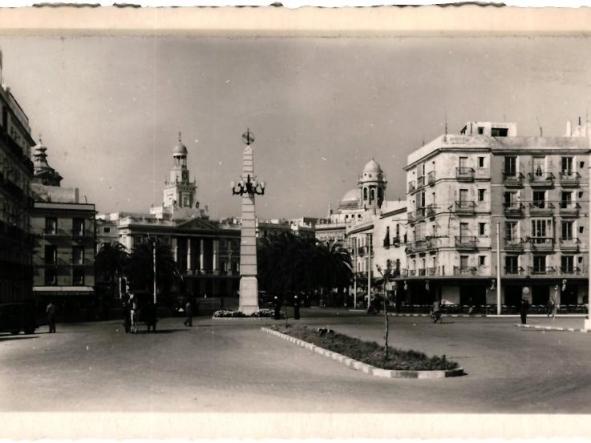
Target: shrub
240 314
369 352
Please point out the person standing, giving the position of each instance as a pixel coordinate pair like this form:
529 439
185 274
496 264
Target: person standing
188 314
553 303
50 310
277 308
296 307
524 308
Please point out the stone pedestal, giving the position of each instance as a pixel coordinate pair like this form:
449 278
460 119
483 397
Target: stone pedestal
249 294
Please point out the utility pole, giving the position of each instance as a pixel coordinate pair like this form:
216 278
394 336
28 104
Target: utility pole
587 324
498 268
368 270
154 267
354 272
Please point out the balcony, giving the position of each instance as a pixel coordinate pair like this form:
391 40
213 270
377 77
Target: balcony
411 217
570 270
420 181
464 174
541 179
514 210
420 245
541 209
569 209
420 214
431 271
464 207
513 245
514 270
431 178
570 179
468 271
466 243
422 272
412 186
569 244
542 243
535 270
513 179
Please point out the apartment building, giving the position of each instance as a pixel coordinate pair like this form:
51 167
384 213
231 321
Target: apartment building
16 172
468 191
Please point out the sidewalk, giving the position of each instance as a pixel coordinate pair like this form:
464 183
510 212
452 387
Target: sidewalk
569 324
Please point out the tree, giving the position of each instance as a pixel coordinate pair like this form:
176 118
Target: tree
140 269
110 263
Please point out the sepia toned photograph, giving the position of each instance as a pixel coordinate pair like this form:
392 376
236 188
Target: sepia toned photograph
324 226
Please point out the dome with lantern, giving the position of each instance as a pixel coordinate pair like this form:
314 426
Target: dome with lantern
350 200
179 149
43 172
372 171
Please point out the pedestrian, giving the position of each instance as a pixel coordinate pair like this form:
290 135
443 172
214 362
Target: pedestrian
126 317
553 303
188 314
296 307
524 308
133 317
277 308
50 310
151 316
436 314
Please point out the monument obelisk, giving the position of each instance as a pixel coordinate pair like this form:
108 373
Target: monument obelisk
247 188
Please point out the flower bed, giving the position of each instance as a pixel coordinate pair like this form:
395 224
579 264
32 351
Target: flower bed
239 314
369 352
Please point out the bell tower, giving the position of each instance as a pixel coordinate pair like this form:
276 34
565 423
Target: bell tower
179 190
372 185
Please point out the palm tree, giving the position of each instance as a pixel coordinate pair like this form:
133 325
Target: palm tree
110 262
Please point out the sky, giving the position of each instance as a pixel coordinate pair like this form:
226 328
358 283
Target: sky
109 108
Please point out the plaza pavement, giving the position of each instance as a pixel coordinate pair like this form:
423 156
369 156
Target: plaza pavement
226 366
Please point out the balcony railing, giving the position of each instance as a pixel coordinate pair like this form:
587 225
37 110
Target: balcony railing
513 180
572 270
569 179
466 242
464 207
541 208
420 181
569 209
431 178
422 272
420 214
542 243
569 244
431 271
513 209
513 244
458 270
514 270
548 270
411 217
464 173
541 179
412 186
430 211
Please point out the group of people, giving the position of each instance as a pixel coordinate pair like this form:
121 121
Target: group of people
133 315
277 307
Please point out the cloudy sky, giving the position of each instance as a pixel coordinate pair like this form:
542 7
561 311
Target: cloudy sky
110 108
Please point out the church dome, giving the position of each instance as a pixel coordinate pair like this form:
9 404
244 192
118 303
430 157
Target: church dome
43 173
350 200
180 148
372 171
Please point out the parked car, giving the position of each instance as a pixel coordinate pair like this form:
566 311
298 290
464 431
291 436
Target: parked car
17 317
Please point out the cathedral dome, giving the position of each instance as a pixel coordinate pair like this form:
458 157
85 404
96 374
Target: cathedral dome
180 148
372 171
350 200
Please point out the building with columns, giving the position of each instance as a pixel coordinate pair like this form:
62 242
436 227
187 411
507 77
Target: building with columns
206 251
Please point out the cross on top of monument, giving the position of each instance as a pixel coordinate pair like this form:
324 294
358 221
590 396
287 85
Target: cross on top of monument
248 137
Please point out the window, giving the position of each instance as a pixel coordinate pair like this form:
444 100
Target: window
539 166
539 229
539 199
480 130
51 225
511 233
511 264
481 194
499 132
566 199
581 229
481 162
50 255
510 199
78 277
482 260
464 230
106 230
539 264
77 255
50 277
567 230
481 229
463 195
566 165
567 263
463 262
78 227
510 166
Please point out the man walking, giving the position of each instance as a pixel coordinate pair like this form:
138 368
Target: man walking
524 305
50 310
188 313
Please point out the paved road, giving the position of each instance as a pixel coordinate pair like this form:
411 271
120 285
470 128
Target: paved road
225 366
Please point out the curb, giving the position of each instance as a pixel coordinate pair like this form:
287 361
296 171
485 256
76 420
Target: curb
364 367
552 328
442 315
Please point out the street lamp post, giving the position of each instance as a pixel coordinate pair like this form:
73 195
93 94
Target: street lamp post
154 269
587 324
247 188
